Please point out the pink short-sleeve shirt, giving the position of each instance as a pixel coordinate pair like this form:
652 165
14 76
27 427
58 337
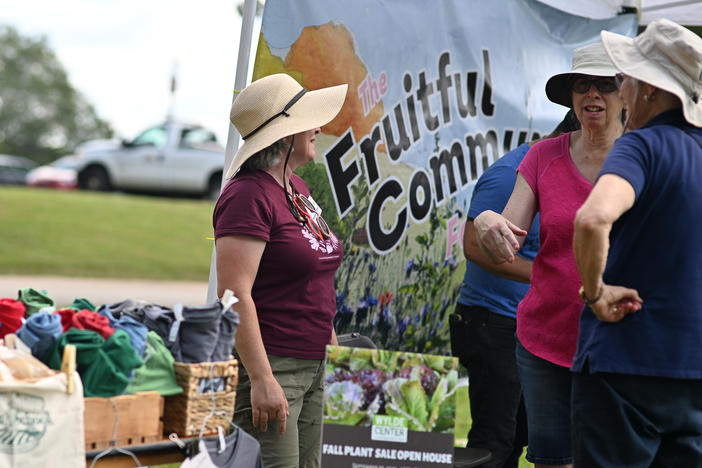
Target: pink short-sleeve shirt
547 317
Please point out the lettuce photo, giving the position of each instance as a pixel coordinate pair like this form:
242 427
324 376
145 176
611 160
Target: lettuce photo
363 382
342 403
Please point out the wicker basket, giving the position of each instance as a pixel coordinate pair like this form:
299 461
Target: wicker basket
185 413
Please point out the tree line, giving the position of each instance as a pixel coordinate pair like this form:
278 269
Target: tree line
42 116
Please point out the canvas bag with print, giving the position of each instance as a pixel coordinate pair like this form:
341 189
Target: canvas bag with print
40 424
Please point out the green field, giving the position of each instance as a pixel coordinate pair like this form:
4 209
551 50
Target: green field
108 235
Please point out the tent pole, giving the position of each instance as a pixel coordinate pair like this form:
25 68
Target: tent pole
242 68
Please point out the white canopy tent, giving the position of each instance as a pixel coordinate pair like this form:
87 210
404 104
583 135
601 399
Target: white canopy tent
685 12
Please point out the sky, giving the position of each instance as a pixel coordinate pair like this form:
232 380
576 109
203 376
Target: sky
120 54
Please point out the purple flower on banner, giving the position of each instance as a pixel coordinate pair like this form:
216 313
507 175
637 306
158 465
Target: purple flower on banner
425 309
408 268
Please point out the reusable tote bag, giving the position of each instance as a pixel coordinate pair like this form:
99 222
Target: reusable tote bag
40 424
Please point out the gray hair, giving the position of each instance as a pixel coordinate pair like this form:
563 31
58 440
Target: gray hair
267 157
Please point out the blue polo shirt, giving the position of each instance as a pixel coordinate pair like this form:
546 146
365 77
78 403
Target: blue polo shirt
655 249
492 191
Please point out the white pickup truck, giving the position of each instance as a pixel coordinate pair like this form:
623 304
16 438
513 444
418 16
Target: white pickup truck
168 158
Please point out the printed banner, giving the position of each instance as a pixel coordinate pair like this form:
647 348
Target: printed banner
437 92
391 408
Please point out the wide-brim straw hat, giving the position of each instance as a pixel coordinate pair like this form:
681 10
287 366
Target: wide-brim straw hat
263 113
667 56
587 60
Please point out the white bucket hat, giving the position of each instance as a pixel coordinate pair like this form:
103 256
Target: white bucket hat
276 106
667 56
587 60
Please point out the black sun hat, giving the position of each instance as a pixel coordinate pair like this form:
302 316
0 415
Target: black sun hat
589 60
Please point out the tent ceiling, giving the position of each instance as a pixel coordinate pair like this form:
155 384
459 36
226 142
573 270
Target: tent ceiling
687 12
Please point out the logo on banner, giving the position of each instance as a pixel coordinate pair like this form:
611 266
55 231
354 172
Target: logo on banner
389 428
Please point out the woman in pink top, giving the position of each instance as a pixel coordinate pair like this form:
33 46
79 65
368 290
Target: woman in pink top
554 179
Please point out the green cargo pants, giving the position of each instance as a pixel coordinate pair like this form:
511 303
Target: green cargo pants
302 382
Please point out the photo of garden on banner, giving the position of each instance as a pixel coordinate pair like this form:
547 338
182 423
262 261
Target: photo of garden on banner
390 409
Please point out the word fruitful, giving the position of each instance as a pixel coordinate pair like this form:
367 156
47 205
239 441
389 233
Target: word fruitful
449 170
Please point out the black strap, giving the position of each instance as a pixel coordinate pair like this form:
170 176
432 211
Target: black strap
283 112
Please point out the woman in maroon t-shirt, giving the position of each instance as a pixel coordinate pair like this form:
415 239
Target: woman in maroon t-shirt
277 254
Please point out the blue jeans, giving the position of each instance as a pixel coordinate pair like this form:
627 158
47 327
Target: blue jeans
546 389
484 343
636 421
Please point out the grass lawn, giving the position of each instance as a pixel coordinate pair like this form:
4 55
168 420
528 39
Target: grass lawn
77 233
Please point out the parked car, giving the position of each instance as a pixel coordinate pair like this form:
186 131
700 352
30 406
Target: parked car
60 174
171 157
13 169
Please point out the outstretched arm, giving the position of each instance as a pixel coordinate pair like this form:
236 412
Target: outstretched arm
518 270
501 236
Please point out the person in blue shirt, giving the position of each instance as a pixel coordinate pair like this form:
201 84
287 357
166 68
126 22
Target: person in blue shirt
484 323
637 371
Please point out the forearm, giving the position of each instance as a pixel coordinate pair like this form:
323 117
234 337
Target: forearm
590 247
518 270
492 239
609 199
249 344
500 236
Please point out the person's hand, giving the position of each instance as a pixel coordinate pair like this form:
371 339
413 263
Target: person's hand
616 303
497 236
268 402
